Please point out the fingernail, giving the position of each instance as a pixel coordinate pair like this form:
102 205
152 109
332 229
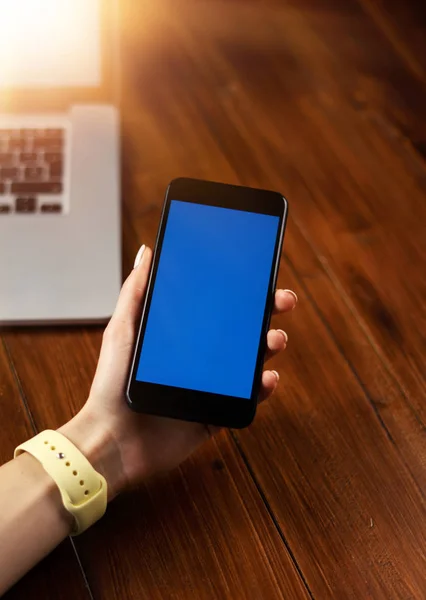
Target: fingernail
277 375
284 334
139 255
296 299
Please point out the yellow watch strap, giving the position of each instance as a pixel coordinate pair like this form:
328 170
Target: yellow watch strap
83 490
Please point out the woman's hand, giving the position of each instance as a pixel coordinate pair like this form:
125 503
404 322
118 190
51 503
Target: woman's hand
125 446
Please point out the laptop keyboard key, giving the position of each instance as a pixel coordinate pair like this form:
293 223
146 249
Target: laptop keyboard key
48 144
25 205
33 173
6 158
28 157
52 157
2 188
17 144
9 173
51 208
47 187
54 133
56 169
4 208
26 133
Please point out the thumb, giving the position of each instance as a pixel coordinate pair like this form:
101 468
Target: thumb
118 339
129 302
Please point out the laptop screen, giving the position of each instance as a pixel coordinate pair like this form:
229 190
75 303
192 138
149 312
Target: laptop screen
50 43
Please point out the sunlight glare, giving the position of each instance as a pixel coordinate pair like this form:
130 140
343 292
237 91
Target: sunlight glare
43 42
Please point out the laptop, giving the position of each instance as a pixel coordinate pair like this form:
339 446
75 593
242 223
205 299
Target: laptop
60 247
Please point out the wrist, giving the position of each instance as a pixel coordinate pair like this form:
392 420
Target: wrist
98 446
42 486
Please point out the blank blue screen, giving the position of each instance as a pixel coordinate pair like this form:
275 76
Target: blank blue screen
205 320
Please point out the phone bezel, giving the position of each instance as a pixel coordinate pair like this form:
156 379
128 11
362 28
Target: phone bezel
192 405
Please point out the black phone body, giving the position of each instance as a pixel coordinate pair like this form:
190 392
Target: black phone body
202 338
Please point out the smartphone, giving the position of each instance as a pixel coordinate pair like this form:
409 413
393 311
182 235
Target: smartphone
200 349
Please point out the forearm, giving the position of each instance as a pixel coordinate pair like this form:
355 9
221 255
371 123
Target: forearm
33 520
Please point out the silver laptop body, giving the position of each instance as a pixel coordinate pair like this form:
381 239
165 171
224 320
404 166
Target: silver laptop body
60 257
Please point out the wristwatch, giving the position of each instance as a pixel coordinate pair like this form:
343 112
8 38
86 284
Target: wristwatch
83 489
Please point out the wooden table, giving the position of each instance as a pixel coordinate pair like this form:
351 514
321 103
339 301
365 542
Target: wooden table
324 496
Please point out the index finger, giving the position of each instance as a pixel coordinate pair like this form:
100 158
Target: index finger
285 301
129 302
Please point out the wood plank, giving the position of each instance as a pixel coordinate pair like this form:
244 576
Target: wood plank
337 311
334 480
403 23
366 65
45 580
199 532
372 277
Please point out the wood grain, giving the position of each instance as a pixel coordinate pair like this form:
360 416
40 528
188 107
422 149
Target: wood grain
403 24
353 339
191 536
324 496
348 476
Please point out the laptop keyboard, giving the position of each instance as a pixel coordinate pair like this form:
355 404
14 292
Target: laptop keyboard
31 170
